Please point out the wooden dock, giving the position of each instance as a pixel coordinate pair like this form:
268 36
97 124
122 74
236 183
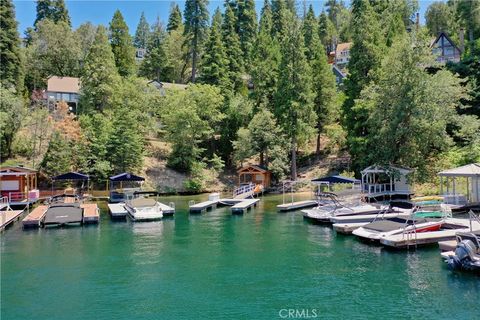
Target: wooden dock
203 206
91 213
117 210
297 205
244 205
9 216
347 228
34 218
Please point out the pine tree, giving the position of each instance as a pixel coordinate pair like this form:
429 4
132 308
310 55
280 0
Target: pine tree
247 25
175 18
99 74
122 46
11 72
294 96
196 26
231 41
279 11
266 22
45 10
154 66
214 65
142 33
326 32
60 12
365 58
310 33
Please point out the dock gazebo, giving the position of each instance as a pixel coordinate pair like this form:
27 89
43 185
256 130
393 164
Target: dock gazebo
120 194
258 175
19 185
385 182
471 174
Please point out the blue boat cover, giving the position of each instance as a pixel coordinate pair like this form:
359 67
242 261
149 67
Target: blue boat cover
71 176
126 177
336 179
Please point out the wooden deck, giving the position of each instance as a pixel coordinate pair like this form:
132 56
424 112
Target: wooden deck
8 217
203 206
117 210
91 214
34 218
246 204
347 228
297 205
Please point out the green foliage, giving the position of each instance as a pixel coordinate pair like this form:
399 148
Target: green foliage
155 65
142 33
58 158
175 54
233 50
440 17
53 10
11 72
247 28
12 113
85 35
175 18
99 75
122 46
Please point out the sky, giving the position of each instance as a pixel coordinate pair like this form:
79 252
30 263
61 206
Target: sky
101 11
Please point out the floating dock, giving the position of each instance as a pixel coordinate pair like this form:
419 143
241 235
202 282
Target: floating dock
297 205
347 228
91 213
238 205
7 217
166 210
244 205
203 206
117 210
34 218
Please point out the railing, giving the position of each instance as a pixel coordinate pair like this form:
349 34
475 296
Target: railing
473 217
249 188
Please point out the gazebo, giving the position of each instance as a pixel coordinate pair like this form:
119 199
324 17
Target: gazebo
119 195
382 182
72 177
469 172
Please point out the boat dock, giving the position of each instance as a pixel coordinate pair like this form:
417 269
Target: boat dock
297 205
347 228
34 218
244 205
166 210
91 213
117 210
203 206
7 217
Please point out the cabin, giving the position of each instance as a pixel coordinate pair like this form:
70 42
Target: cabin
385 183
462 184
19 185
258 175
342 54
63 89
445 49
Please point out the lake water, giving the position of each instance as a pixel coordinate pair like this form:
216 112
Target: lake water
218 266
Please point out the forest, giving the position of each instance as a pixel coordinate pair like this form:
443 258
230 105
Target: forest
260 88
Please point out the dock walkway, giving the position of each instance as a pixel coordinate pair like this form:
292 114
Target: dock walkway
91 213
297 205
117 210
238 205
8 217
34 218
166 210
244 205
203 206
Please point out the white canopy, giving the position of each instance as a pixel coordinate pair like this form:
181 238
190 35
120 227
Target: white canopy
470 170
381 169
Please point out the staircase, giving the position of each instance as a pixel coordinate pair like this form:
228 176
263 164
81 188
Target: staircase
245 191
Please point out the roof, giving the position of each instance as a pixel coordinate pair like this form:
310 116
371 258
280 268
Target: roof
71 176
21 169
469 170
63 84
168 85
336 179
126 176
384 169
253 166
447 37
343 46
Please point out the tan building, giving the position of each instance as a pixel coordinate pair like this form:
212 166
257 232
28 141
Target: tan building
63 89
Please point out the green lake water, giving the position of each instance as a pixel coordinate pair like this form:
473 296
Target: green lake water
220 266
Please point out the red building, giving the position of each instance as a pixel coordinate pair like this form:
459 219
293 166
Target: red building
19 185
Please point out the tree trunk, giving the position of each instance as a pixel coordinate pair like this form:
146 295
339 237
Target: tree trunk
262 159
194 57
317 151
293 170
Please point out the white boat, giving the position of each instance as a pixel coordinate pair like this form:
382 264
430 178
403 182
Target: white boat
144 209
323 214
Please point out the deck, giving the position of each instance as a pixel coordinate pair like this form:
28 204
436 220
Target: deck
203 206
246 204
297 205
347 228
117 210
91 214
8 217
167 210
34 218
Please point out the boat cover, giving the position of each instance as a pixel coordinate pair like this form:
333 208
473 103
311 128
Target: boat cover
60 214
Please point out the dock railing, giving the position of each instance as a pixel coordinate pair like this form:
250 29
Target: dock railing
245 189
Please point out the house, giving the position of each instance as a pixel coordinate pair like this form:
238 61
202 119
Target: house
165 86
342 54
385 183
470 174
19 185
63 89
258 175
445 49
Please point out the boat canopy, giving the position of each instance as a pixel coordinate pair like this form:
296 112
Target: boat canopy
335 179
71 176
126 177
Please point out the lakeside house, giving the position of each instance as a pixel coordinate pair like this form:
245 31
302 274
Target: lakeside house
256 174
63 89
19 185
445 49
385 182
342 54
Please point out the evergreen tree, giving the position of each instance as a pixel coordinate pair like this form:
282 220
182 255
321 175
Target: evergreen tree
175 18
279 17
196 26
310 33
142 33
327 32
99 74
439 18
214 65
11 72
233 49
45 10
58 158
266 22
365 58
469 12
247 25
60 12
294 97
122 46
154 66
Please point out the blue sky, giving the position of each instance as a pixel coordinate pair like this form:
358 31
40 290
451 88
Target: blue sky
101 11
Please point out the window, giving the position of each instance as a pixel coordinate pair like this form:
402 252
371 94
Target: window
66 96
59 96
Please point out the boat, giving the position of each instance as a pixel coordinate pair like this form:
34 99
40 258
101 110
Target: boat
143 209
467 252
63 210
